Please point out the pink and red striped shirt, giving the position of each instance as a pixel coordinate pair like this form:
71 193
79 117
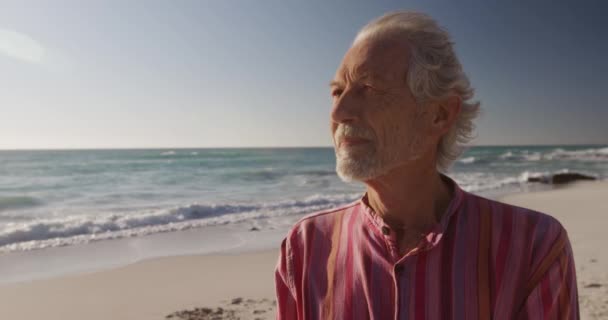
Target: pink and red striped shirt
483 260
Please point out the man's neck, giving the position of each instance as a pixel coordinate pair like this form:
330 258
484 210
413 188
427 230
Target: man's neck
409 199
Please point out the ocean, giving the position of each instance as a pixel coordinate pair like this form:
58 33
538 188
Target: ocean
69 197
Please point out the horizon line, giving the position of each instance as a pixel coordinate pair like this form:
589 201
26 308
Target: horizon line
282 147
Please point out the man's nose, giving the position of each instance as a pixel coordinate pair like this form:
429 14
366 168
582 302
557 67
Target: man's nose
345 109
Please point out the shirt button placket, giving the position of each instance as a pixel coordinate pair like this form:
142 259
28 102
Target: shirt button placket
397 271
391 242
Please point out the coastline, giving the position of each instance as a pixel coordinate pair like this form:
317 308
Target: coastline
156 288
99 256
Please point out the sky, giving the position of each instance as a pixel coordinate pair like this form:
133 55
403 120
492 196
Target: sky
245 73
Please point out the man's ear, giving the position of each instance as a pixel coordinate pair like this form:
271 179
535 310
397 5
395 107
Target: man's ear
446 113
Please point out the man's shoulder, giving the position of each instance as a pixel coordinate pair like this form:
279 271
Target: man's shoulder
319 221
510 212
540 229
530 240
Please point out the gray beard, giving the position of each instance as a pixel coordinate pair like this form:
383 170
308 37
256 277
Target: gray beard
363 167
370 165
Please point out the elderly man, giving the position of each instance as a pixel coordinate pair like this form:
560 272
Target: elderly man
416 246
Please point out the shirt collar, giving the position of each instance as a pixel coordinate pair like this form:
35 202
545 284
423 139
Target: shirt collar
433 237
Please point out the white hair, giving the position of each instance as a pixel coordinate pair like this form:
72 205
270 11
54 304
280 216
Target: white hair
434 73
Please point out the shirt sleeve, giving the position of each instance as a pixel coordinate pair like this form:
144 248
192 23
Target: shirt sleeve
287 308
554 295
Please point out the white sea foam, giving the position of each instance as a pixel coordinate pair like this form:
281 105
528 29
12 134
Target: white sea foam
524 155
544 176
507 155
42 233
533 156
471 183
467 160
476 182
167 153
592 154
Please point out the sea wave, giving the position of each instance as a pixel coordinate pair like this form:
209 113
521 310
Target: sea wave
467 160
591 154
70 230
524 155
317 173
52 231
478 182
17 202
484 184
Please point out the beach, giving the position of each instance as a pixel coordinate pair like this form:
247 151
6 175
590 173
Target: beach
151 289
240 285
158 158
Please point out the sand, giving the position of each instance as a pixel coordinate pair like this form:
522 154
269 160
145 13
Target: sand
152 289
231 286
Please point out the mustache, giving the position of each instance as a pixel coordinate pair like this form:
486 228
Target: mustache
350 131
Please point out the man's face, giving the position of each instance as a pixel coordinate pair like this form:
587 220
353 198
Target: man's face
376 123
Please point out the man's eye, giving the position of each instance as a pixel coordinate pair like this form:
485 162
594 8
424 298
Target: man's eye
369 89
336 93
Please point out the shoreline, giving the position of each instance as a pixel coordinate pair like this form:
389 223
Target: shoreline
102 255
156 287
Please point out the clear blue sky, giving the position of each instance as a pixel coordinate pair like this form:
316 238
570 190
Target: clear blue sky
121 74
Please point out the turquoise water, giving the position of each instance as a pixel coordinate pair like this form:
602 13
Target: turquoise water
56 198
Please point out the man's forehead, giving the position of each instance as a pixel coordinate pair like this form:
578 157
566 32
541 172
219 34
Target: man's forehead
377 59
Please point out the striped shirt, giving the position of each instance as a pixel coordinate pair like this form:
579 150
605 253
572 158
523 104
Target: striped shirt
483 260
